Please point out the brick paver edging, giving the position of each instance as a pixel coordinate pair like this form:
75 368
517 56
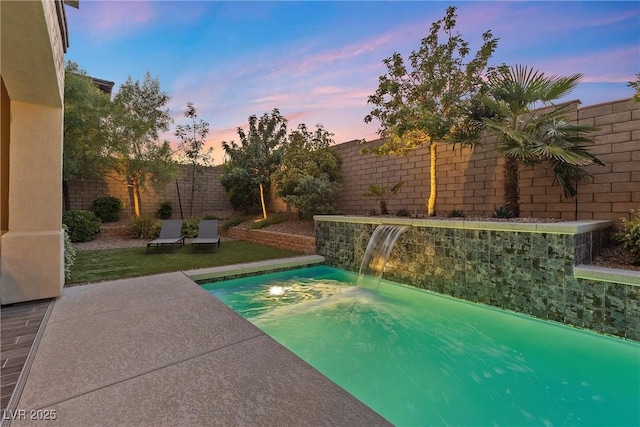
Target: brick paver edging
304 244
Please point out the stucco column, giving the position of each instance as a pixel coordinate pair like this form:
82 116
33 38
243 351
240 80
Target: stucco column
33 249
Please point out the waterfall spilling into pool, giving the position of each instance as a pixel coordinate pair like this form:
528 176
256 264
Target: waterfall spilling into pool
378 250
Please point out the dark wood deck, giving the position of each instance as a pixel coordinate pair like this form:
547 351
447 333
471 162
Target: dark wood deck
19 324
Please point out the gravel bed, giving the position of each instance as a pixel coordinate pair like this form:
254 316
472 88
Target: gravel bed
615 256
297 227
112 242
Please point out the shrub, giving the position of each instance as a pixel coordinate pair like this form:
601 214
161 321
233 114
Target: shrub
154 233
403 212
190 227
503 212
373 212
83 226
273 219
456 214
144 227
629 236
211 216
107 208
315 196
165 210
69 253
236 220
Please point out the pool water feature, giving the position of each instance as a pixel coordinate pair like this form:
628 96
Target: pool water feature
378 250
419 358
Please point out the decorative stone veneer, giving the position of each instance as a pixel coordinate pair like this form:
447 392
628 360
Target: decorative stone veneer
523 267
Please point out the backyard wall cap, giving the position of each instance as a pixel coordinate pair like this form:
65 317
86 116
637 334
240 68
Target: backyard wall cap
604 274
565 227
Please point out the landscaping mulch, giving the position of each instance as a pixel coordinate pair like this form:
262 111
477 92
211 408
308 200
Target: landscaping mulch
615 256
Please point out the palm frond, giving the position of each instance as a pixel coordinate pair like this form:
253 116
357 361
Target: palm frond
560 153
568 176
520 152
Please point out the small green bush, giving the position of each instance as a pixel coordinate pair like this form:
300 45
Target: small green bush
456 214
403 212
165 210
107 208
83 226
144 227
190 227
69 253
273 219
629 236
236 220
503 212
315 196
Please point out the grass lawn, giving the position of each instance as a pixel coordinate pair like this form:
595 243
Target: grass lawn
110 264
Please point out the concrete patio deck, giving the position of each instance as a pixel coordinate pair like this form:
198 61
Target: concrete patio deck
160 351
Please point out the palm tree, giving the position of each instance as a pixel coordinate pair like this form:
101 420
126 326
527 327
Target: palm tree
531 129
382 193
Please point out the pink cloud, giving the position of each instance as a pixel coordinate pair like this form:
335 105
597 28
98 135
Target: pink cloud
326 90
275 99
604 20
350 51
116 21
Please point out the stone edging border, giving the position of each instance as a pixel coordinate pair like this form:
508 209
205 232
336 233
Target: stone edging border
565 227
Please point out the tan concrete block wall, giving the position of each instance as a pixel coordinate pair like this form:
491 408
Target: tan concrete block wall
209 197
472 180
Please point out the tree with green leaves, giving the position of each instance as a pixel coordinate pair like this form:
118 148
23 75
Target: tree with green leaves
192 146
434 100
310 176
529 134
636 86
250 165
85 107
138 116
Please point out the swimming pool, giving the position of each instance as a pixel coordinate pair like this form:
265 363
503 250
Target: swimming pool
419 358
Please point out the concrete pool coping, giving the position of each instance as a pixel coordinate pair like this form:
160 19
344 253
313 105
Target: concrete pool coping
562 227
160 350
239 270
604 274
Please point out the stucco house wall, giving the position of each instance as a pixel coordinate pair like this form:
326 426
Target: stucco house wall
34 38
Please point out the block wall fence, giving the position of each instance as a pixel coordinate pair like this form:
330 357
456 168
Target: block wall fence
209 197
470 180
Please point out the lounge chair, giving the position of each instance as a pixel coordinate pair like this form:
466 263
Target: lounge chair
207 235
170 235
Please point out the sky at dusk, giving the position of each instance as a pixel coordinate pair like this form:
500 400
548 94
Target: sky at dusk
318 61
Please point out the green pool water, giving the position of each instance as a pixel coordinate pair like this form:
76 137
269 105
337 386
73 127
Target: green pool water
419 358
